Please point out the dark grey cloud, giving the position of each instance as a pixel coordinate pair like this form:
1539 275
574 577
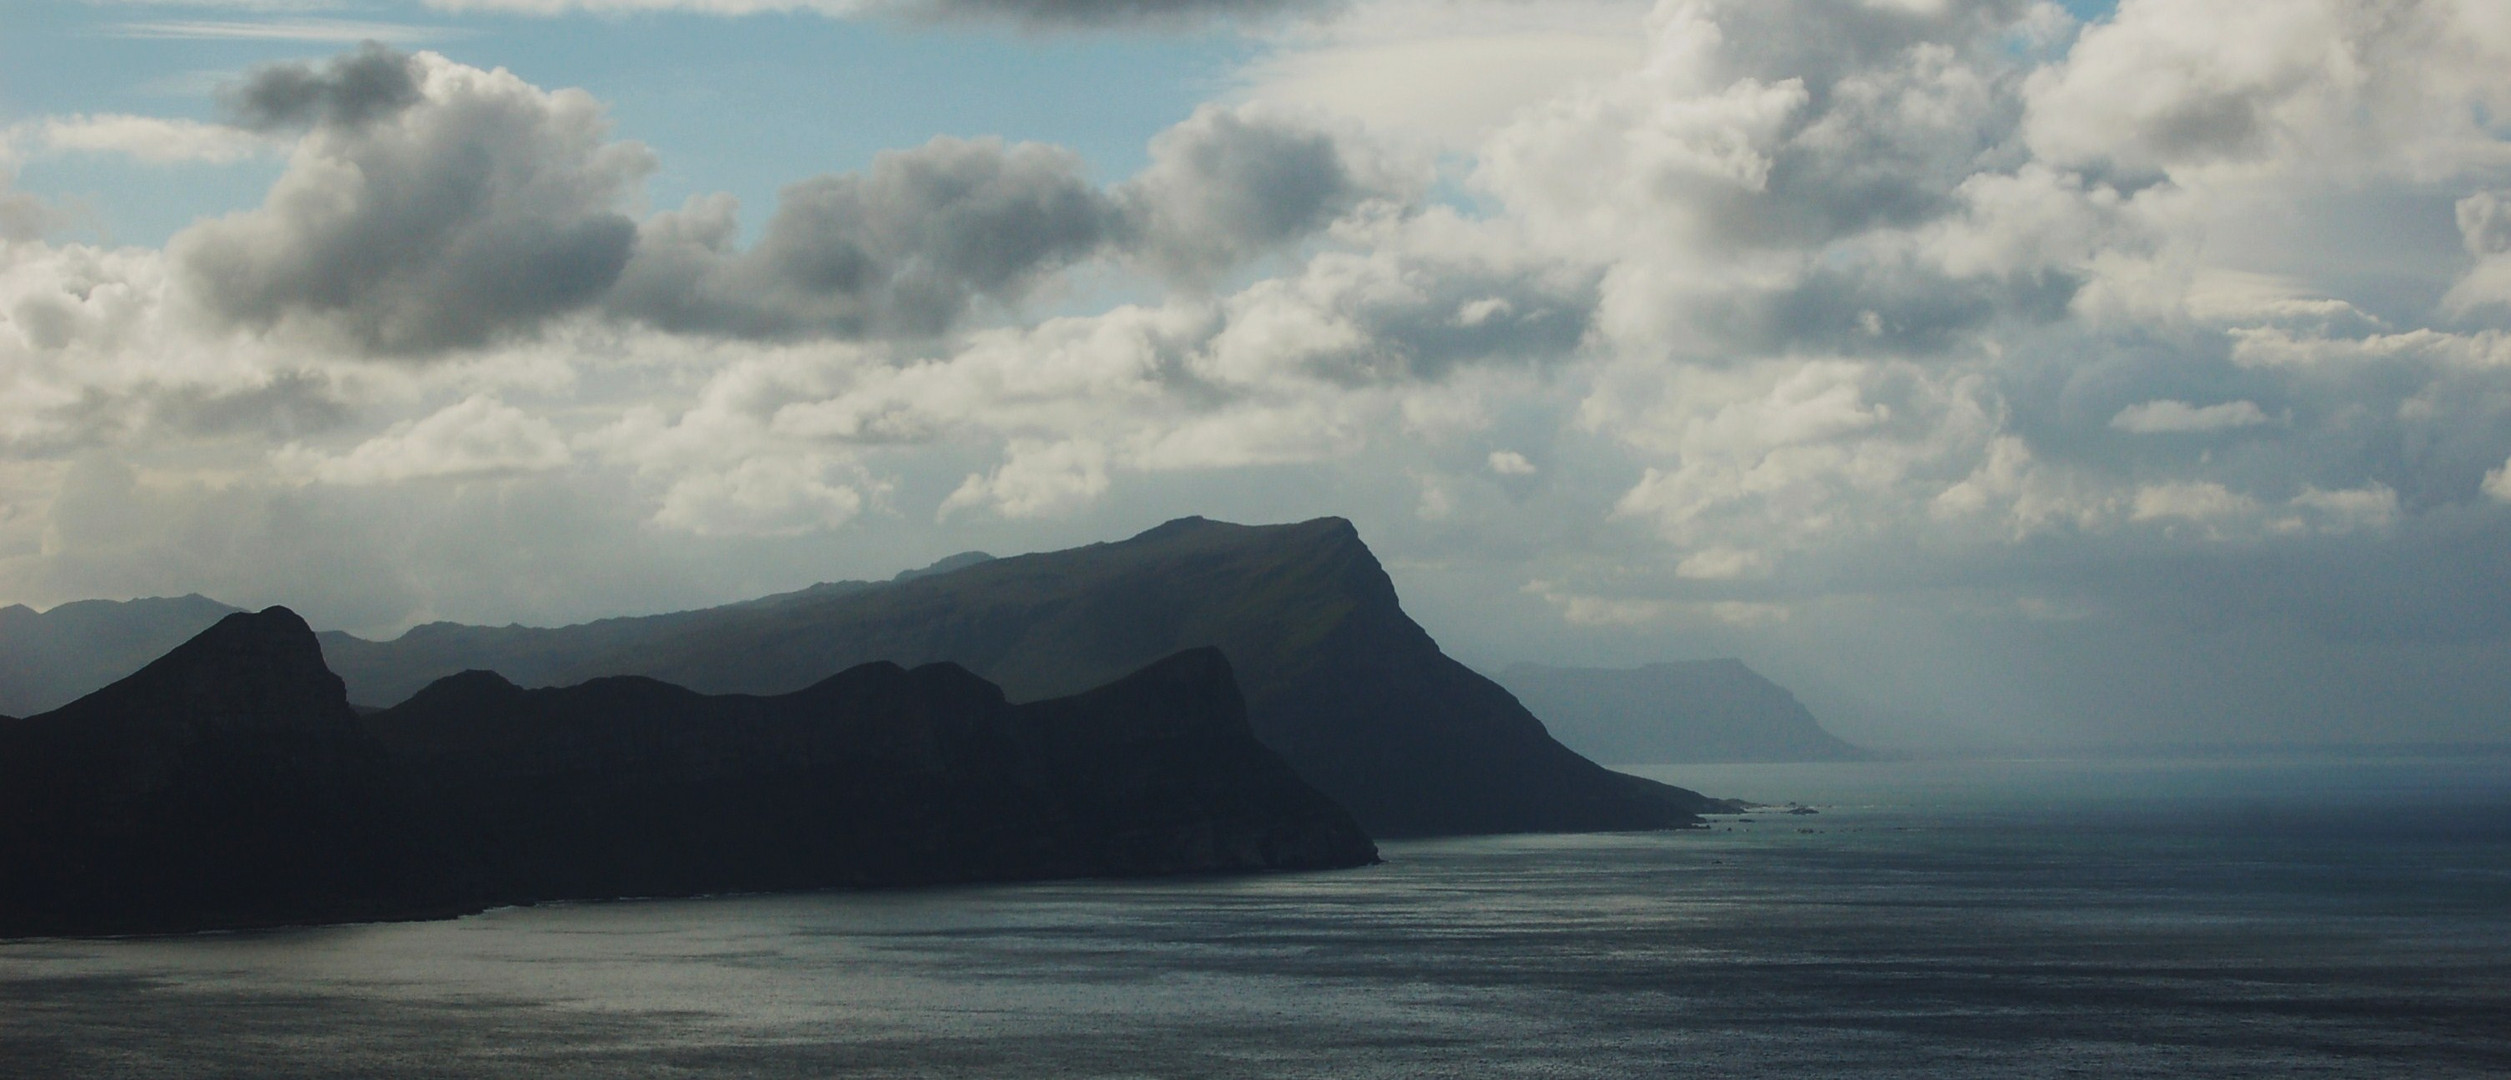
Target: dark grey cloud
488 210
903 249
373 82
910 246
1423 319
1877 310
1227 185
489 207
287 405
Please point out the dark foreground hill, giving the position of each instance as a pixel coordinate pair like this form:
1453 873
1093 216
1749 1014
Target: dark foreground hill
1691 711
1338 679
229 784
226 784
627 786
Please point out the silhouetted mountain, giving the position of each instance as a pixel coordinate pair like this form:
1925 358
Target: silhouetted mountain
1696 711
229 784
1337 679
225 784
49 659
627 786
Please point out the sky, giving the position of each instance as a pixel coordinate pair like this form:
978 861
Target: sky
1991 373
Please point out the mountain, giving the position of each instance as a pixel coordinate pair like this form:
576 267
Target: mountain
626 786
1337 679
225 784
1695 711
50 658
229 784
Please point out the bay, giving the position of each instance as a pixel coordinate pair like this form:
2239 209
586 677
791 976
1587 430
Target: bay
2016 918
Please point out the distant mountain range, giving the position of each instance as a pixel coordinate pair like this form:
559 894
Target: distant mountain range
1666 713
52 658
1338 680
229 784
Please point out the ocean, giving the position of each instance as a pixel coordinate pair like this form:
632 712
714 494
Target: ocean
2225 918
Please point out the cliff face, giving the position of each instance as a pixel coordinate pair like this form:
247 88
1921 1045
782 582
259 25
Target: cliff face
1687 711
1337 678
229 784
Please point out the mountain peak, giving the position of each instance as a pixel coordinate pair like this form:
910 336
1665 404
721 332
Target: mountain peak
1196 526
227 783
469 687
250 669
943 566
1174 528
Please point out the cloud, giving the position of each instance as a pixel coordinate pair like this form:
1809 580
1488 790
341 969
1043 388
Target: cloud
913 246
2485 227
23 216
1446 71
1723 564
1811 319
1583 610
1036 479
2182 89
2485 223
431 206
1226 185
764 496
903 249
369 84
2497 483
1084 13
2199 501
1034 13
2174 417
477 436
330 31
149 139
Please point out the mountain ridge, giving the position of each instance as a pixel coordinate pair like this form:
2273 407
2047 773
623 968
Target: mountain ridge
229 784
53 657
188 794
1338 680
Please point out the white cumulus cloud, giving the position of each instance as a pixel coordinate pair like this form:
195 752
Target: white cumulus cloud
477 436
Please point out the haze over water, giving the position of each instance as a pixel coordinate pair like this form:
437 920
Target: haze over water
1934 919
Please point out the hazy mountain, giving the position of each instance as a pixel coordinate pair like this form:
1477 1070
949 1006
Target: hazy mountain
49 659
228 784
225 784
1694 711
1337 678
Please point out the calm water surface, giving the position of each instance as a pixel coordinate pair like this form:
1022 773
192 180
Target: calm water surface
1988 919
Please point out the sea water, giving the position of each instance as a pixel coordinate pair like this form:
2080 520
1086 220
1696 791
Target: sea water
2294 918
